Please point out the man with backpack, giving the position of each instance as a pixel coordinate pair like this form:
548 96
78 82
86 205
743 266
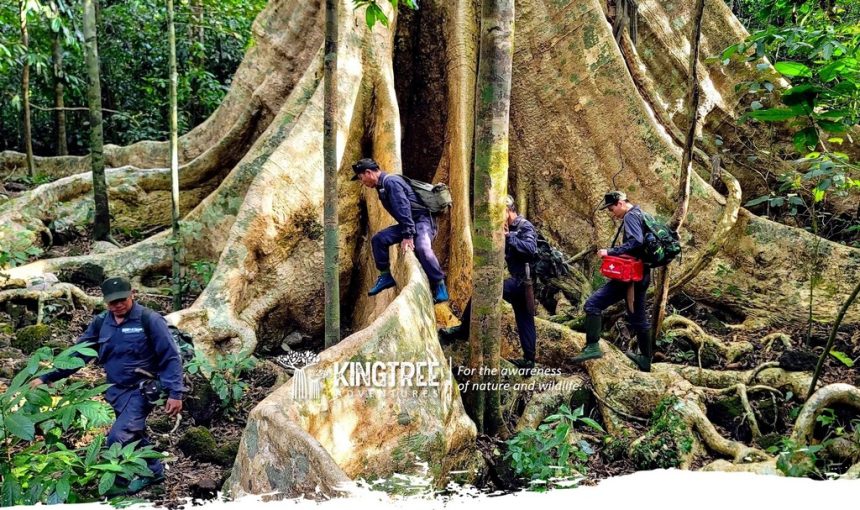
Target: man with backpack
521 247
634 243
415 228
134 345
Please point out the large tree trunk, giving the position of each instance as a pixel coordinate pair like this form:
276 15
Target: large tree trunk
491 188
581 109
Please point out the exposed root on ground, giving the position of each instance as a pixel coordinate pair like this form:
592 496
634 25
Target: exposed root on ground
677 326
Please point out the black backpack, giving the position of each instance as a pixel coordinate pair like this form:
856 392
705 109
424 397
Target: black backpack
549 262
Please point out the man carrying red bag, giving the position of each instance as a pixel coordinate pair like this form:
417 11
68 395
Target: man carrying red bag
615 290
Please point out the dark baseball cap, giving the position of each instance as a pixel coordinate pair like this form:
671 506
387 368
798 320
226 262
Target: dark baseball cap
363 164
116 288
612 198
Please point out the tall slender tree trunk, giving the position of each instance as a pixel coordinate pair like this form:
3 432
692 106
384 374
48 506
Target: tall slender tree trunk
101 226
174 160
330 195
59 91
25 87
683 198
197 37
493 102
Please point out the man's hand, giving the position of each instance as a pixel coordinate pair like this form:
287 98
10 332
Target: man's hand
407 245
173 406
602 253
36 382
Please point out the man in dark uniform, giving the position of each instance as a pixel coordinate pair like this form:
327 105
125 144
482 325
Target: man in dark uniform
132 341
520 249
614 291
415 228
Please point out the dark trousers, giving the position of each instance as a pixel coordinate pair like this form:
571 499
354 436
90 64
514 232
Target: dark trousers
614 291
424 233
130 426
514 292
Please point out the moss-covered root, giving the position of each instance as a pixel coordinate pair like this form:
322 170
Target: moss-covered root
66 291
681 326
828 396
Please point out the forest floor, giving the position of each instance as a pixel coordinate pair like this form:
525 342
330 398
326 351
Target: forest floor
194 474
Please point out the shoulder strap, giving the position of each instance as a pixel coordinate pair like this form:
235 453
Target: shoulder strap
145 317
100 320
617 233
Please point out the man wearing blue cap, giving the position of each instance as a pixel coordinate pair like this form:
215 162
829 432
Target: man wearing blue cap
135 346
415 228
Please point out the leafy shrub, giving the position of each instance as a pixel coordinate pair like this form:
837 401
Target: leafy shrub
547 454
40 428
225 376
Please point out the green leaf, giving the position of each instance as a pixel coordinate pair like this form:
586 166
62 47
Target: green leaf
806 139
591 423
109 468
792 69
773 114
106 482
68 363
844 358
62 489
39 397
21 426
757 201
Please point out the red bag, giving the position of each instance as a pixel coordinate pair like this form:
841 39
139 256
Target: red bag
623 268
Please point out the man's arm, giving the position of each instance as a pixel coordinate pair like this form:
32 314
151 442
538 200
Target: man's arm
167 355
633 235
524 240
91 334
401 207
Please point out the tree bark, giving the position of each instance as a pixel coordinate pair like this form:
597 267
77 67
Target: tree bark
59 100
174 160
25 87
831 339
101 225
662 287
491 187
330 194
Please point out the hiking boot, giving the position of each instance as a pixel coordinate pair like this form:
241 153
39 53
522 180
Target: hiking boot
592 350
441 294
385 281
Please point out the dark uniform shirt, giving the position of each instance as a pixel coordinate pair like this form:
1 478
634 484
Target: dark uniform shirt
520 246
397 198
634 236
124 347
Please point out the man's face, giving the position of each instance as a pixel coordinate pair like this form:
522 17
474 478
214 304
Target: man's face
617 209
369 178
120 307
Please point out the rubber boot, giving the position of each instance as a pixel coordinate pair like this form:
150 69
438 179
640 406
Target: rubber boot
643 360
592 350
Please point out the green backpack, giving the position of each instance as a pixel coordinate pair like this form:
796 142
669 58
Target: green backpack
436 198
662 244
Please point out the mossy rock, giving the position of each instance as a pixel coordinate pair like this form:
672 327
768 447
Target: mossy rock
30 338
226 455
161 424
197 442
614 449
